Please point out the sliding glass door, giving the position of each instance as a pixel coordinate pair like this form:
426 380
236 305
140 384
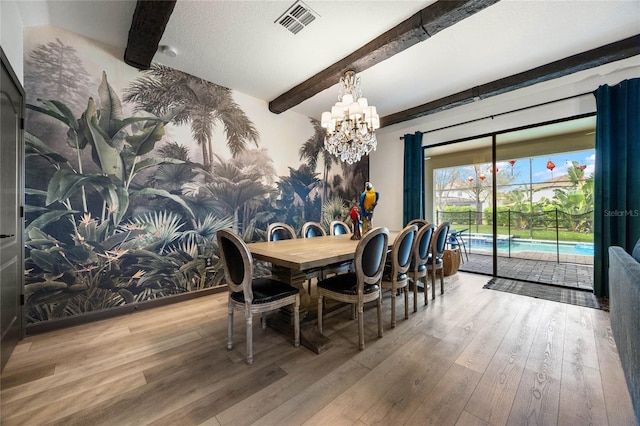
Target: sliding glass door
540 179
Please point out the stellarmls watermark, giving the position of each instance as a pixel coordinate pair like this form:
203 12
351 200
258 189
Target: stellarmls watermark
621 213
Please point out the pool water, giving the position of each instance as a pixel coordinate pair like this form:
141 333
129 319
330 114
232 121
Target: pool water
485 241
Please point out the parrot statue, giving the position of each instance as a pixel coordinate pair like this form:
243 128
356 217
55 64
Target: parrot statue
357 225
368 201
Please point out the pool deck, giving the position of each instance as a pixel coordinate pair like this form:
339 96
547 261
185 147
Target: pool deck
574 271
544 256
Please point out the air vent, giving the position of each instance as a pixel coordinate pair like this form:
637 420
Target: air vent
297 17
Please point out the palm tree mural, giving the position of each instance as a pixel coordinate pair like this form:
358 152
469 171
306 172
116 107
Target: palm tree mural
171 177
303 181
314 148
355 176
232 185
204 104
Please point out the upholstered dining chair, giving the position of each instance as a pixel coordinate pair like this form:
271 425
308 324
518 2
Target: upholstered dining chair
312 229
418 222
363 285
435 263
338 227
418 268
395 274
280 231
249 295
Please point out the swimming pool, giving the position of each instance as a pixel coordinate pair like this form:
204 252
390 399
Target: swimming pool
484 242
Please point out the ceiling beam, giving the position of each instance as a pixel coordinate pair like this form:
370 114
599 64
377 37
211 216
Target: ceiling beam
422 25
149 21
592 58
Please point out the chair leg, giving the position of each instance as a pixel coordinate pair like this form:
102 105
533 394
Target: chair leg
442 281
296 322
320 312
380 315
433 284
426 287
406 302
361 327
415 295
264 320
230 328
249 320
393 306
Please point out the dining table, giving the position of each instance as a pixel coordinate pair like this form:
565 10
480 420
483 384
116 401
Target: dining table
297 260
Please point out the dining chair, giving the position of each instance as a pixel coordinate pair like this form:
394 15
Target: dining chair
312 229
363 285
250 295
395 275
434 263
456 241
280 231
418 222
338 227
418 268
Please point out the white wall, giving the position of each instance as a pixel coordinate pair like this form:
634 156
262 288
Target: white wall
11 35
386 162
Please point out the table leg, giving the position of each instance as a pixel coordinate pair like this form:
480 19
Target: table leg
310 336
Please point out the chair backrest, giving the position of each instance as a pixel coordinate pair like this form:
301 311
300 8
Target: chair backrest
422 245
439 239
371 254
402 249
312 229
418 222
280 231
237 263
338 227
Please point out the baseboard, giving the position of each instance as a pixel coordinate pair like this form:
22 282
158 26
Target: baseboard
56 324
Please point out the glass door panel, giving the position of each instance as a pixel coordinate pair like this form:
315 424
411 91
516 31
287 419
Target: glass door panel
544 195
458 190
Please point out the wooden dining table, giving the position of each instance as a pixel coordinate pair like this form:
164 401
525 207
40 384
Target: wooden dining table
297 260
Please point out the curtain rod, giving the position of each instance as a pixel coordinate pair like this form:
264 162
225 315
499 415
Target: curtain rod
492 116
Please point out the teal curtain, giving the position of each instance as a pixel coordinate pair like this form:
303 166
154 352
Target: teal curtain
412 200
617 175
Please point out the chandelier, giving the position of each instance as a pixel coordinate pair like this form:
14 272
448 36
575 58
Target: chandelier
351 123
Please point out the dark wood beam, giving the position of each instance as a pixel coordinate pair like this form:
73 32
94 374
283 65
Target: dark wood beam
149 21
422 25
599 56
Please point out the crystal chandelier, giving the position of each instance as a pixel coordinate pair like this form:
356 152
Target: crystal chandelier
351 123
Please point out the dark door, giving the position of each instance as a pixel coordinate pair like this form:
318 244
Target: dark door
11 240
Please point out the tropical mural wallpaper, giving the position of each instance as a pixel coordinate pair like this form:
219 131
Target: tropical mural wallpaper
129 175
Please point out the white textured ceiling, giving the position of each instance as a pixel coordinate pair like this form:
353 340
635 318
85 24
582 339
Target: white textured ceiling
237 44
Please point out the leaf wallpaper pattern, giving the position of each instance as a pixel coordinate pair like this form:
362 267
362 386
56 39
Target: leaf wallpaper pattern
129 179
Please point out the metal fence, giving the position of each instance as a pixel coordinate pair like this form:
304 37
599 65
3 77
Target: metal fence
550 226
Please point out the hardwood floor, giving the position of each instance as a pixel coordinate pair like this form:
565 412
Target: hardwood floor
471 357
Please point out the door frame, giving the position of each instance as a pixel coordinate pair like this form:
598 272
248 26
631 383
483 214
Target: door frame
493 148
6 65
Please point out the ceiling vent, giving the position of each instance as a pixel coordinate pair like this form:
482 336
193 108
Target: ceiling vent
297 17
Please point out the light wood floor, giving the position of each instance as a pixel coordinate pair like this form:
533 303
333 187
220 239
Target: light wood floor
471 357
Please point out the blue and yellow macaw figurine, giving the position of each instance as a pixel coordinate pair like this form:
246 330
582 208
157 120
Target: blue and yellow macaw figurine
368 201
